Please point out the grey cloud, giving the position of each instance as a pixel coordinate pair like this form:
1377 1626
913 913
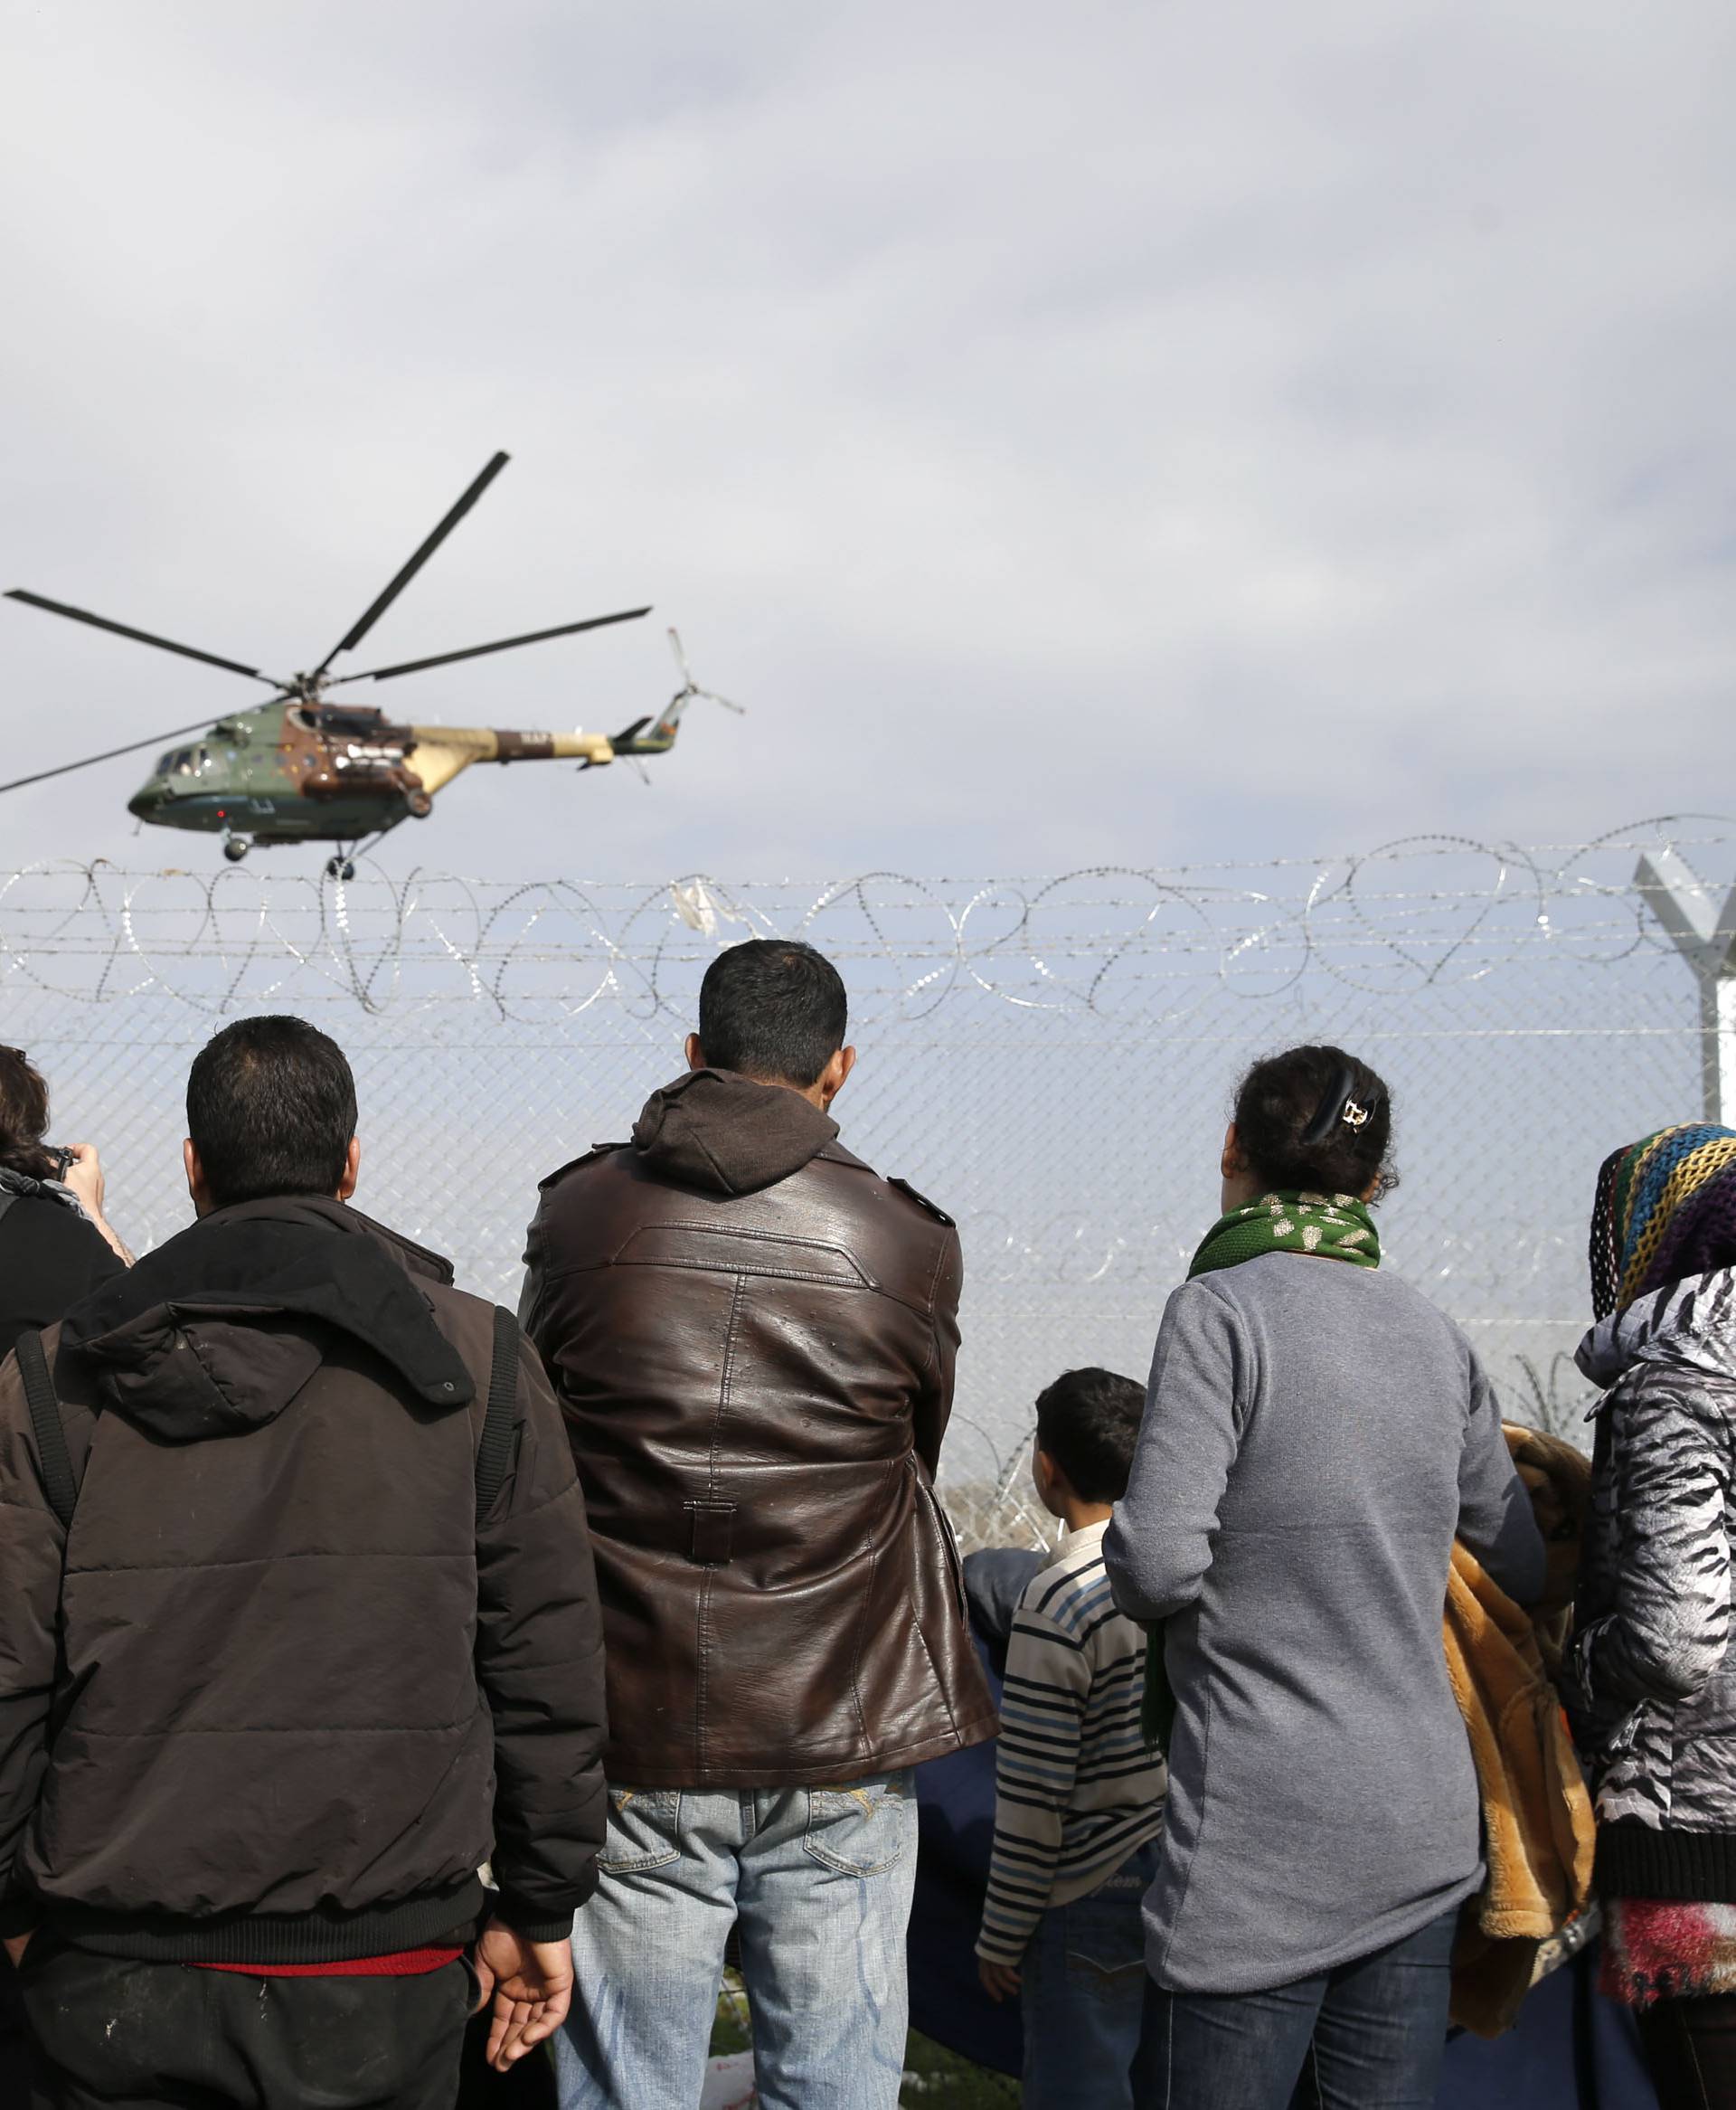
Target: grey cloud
1101 434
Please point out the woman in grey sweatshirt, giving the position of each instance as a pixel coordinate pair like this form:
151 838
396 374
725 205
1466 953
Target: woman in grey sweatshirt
1316 1435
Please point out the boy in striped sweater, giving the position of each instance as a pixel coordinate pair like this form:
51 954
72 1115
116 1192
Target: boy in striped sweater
1079 1795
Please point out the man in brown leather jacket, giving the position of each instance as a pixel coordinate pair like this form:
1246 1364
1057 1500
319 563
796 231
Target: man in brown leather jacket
752 1338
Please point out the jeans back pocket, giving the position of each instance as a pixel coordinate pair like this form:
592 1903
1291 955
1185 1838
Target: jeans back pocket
644 1830
1103 1933
859 1827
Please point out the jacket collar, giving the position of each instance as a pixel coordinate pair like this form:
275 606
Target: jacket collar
1076 1541
327 1211
1690 1325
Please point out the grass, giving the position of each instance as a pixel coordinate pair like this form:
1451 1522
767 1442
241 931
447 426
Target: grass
939 2079
934 2077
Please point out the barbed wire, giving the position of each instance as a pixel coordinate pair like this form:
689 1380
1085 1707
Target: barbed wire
1104 942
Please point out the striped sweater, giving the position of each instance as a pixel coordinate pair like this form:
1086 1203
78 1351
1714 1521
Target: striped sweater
1076 1789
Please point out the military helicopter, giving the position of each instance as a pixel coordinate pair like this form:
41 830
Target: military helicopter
308 768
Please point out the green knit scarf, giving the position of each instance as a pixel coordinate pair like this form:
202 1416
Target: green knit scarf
1334 1227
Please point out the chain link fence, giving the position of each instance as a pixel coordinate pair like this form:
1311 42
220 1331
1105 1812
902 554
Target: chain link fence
1052 1060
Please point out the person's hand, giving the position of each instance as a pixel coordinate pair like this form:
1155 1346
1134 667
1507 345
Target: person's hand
1000 1981
16 1945
84 1177
533 1989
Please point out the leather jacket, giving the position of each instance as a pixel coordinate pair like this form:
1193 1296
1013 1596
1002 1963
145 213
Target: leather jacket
752 1338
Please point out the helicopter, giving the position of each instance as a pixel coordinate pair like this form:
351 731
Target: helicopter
309 767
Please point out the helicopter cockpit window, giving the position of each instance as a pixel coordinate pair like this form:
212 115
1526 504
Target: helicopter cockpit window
177 762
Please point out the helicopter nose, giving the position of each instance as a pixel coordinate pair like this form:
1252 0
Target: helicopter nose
145 801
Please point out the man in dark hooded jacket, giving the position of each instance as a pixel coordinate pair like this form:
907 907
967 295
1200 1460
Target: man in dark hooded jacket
319 1640
753 1337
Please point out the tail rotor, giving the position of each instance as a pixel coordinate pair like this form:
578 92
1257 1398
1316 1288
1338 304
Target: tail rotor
657 736
689 687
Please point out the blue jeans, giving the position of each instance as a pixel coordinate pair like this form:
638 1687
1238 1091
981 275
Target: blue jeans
818 1880
1082 1993
1368 2036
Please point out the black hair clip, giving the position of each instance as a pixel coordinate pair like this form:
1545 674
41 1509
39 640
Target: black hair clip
1338 1105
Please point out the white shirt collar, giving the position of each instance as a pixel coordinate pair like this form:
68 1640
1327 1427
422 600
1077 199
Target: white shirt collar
1087 1535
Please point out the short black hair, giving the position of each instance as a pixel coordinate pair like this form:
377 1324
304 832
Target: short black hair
1088 1421
1306 1090
270 1109
772 1009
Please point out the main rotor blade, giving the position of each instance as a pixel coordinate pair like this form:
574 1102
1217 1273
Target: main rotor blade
108 754
102 622
364 624
595 622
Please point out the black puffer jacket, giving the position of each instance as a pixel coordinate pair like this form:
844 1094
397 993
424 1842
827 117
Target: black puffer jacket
291 1694
50 1255
1651 1682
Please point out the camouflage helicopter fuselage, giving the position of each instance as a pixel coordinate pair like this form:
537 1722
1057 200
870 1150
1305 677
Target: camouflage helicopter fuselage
286 773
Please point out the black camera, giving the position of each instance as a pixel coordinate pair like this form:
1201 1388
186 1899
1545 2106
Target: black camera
61 1157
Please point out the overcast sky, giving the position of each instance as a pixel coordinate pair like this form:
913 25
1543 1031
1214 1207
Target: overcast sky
1122 432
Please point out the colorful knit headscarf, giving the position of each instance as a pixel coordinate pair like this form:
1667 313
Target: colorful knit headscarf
1666 1210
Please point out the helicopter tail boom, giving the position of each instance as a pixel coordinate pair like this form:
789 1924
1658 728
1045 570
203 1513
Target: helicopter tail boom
442 752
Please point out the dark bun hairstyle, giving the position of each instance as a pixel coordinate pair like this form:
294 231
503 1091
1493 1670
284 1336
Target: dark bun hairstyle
23 1118
1316 1121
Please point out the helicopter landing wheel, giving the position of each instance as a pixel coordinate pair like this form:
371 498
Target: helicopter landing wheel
340 869
236 847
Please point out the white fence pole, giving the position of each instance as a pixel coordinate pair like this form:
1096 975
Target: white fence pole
1705 932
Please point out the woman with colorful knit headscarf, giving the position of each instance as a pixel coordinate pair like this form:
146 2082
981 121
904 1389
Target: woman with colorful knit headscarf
1650 1683
1316 1435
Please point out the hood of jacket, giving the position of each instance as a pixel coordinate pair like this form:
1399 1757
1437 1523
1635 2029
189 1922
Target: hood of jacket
216 1331
728 1134
1689 1325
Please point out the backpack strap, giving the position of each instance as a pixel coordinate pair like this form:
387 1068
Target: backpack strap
60 1483
495 1453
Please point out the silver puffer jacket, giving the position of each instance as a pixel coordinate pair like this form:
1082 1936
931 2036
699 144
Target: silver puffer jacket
1648 1682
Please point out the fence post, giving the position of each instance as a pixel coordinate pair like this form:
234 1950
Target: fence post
1705 936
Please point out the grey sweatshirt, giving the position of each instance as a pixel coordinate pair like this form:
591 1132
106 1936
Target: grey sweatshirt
1315 1436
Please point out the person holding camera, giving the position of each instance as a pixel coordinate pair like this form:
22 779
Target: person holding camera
55 1244
55 1248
